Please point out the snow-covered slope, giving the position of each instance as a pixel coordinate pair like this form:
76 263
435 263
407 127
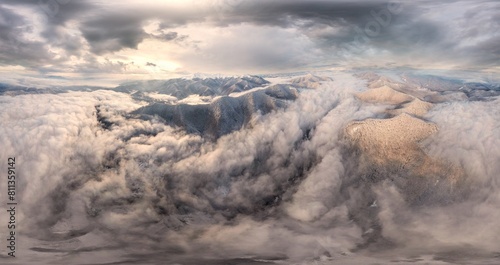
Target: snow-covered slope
223 115
182 87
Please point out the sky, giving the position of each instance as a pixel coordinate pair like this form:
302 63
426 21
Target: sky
105 43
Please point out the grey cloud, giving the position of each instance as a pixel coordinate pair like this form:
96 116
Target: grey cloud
484 53
35 54
335 25
169 36
303 14
15 49
91 65
467 141
56 12
113 33
197 183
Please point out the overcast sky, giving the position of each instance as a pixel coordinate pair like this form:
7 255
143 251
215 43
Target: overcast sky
107 42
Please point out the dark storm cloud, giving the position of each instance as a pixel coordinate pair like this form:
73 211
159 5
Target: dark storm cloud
421 29
108 34
328 23
173 36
